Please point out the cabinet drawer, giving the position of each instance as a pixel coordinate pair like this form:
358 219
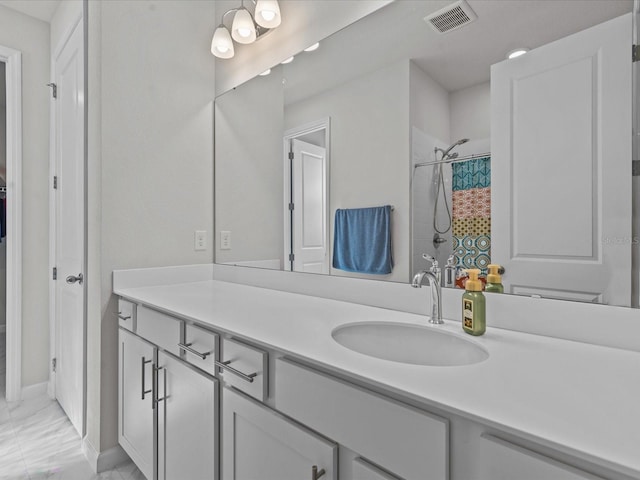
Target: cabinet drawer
502 460
246 368
159 329
203 342
126 314
363 470
402 439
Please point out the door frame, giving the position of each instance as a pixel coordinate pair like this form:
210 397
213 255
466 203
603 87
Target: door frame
53 205
322 124
13 63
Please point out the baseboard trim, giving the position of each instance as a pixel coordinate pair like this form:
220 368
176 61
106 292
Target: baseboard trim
103 461
33 391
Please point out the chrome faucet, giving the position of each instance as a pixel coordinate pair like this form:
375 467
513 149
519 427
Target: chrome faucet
433 274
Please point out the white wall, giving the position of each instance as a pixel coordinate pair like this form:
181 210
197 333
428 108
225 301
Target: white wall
470 114
369 150
249 201
31 37
150 94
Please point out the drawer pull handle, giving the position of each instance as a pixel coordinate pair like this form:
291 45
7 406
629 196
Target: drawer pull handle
315 473
159 399
144 392
247 377
123 317
187 347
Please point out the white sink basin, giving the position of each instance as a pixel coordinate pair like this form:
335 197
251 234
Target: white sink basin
407 343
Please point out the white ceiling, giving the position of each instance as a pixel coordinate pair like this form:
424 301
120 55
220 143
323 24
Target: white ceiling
40 9
457 59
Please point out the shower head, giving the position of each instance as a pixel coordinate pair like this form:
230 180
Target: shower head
445 153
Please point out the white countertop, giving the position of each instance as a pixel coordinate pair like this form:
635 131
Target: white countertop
580 399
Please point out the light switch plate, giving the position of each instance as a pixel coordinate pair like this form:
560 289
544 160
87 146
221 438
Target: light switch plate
225 240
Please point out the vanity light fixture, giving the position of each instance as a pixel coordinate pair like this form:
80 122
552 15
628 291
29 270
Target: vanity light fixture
265 73
244 28
288 60
517 52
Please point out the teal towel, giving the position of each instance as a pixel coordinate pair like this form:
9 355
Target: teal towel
362 240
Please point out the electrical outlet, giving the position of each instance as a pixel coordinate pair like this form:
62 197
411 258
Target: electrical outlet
200 240
225 240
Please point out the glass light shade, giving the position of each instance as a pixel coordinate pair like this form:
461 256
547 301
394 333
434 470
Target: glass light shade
268 13
243 29
517 53
221 44
288 60
312 48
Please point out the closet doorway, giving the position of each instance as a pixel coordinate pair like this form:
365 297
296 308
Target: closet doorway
11 222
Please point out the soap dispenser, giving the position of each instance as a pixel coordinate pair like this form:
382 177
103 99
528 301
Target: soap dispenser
494 280
473 305
450 271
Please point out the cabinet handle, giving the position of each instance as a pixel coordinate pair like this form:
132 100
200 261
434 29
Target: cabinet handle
315 473
164 385
123 317
244 376
144 392
154 395
187 347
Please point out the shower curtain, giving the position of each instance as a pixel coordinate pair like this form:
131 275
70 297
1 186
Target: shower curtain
471 184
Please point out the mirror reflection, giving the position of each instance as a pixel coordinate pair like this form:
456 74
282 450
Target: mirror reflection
522 164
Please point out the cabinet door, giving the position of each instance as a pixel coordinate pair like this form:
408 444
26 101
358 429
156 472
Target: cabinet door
259 443
187 422
135 412
502 460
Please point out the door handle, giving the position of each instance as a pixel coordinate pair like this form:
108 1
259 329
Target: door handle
74 279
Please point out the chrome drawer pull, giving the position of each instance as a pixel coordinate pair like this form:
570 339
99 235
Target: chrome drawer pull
164 372
144 392
187 347
122 317
315 473
244 376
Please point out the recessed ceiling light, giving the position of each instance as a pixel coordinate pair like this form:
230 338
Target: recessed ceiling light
312 47
517 52
288 60
265 73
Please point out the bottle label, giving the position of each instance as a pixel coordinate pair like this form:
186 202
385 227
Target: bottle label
467 314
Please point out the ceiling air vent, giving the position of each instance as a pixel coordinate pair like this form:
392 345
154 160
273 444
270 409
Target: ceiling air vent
452 17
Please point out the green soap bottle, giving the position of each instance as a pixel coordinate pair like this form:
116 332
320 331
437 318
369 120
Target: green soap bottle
473 305
494 280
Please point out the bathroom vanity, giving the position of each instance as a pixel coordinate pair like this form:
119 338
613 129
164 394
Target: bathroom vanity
232 381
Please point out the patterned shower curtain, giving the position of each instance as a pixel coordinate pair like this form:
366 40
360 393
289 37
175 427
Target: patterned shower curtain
472 213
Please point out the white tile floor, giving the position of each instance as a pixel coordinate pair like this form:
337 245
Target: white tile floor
38 441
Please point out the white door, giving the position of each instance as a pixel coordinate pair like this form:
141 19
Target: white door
561 167
69 228
135 400
258 443
310 232
187 422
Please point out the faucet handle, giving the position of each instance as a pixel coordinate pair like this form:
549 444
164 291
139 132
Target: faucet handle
434 263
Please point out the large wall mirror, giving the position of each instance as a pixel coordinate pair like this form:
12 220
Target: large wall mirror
525 162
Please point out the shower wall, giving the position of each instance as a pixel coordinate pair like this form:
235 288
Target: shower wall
467 114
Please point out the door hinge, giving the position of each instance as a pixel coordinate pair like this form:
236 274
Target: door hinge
54 363
55 273
290 155
291 206
54 89
291 257
635 53
55 182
